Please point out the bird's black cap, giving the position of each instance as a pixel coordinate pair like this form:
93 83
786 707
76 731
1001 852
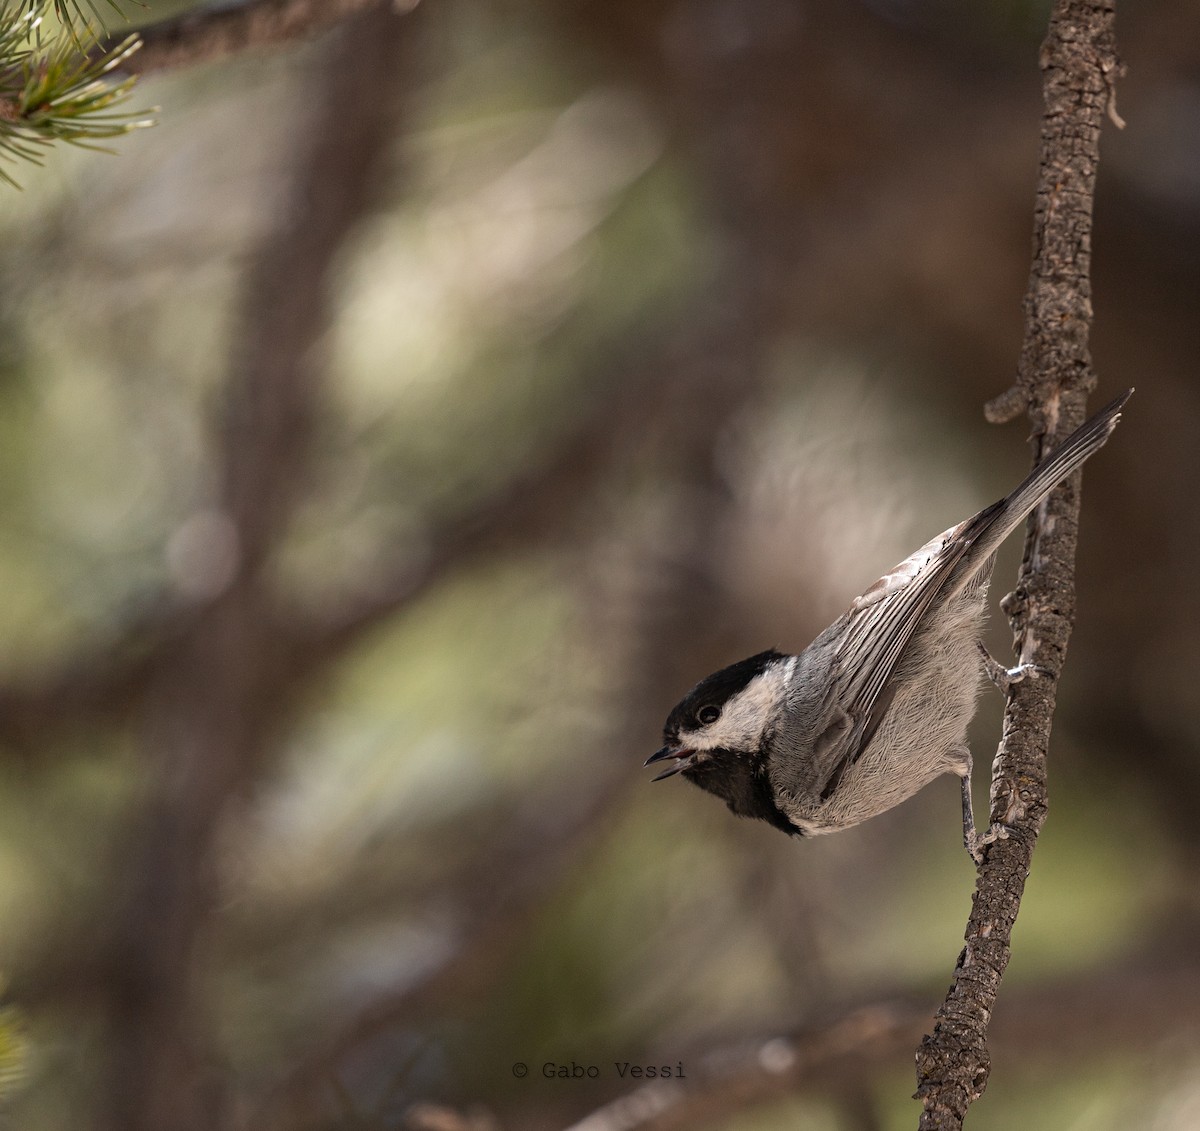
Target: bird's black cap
717 689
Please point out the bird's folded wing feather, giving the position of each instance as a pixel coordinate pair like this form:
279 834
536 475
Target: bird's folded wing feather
878 626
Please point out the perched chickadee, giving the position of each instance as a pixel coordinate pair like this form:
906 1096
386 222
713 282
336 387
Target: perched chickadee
877 706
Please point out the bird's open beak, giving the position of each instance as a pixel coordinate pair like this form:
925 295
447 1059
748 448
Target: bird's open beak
682 761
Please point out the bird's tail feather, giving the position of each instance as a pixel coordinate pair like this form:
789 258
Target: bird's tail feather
992 525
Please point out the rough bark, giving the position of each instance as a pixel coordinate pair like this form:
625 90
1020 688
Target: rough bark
1055 375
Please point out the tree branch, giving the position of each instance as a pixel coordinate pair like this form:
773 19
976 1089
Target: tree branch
1055 375
229 27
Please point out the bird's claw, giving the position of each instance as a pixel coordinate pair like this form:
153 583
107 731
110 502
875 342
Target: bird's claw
977 843
1003 677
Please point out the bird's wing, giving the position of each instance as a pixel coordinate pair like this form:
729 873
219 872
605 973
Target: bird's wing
877 627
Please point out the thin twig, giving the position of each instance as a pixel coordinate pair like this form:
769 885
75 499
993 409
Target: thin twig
1055 375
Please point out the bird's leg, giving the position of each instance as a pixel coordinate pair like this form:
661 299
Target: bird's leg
1004 677
972 841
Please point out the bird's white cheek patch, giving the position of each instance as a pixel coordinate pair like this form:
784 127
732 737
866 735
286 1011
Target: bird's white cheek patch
743 717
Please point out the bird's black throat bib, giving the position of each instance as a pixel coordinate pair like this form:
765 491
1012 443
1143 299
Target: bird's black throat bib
743 786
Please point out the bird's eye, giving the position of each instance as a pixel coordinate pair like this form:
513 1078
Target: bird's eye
708 714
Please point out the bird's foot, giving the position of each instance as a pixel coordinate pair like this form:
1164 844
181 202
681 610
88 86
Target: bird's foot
976 842
1003 677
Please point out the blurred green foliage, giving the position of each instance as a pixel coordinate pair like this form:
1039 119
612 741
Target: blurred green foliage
540 215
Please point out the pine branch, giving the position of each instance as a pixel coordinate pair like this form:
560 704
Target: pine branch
51 90
1079 66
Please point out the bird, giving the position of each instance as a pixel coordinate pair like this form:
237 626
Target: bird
878 705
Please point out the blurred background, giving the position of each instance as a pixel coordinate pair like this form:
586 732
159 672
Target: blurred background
392 436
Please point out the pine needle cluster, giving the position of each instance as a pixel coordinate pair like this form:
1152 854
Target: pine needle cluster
60 85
